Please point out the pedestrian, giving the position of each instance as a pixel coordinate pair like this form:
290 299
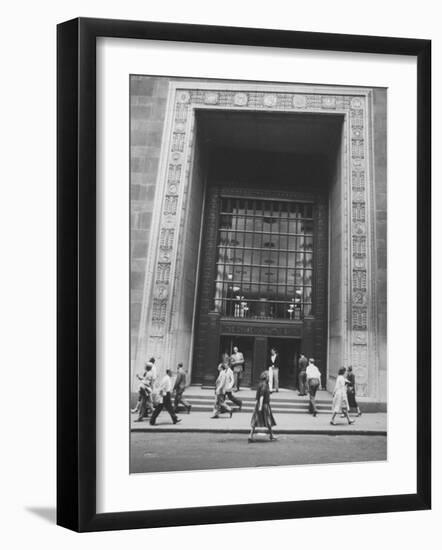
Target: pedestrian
154 370
351 391
144 405
165 401
262 416
220 405
340 403
237 362
179 387
229 384
225 360
273 370
302 382
313 377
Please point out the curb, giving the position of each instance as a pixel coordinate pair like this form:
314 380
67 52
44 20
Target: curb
281 431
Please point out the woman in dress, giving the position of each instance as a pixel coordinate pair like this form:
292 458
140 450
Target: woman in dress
262 416
351 391
340 403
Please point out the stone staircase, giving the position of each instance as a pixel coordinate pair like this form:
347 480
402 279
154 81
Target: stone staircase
282 402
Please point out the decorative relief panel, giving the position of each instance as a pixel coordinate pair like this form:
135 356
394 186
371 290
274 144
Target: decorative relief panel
181 110
270 100
355 146
240 99
359 246
163 272
359 280
174 173
178 141
358 211
329 102
170 204
299 101
358 180
211 98
166 238
359 315
159 310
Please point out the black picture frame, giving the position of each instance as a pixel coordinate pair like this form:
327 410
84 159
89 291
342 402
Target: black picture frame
76 273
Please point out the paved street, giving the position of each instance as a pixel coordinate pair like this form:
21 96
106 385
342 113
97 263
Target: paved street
159 452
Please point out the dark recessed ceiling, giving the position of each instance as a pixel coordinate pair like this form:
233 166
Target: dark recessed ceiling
304 134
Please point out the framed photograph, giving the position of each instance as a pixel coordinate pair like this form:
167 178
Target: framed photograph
243 274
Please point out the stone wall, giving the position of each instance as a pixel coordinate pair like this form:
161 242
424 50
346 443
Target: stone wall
148 97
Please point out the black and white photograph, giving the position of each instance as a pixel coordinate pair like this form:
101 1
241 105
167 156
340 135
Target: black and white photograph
258 274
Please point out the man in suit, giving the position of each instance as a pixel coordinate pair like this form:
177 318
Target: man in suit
274 370
302 380
179 387
165 389
237 362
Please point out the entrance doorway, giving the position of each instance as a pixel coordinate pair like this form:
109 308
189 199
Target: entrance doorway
288 350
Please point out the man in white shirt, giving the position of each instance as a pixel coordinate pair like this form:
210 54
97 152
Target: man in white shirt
164 390
313 377
154 370
220 405
228 387
144 405
273 370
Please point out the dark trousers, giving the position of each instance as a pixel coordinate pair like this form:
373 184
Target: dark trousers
220 404
237 377
233 399
179 400
166 404
145 404
302 382
313 386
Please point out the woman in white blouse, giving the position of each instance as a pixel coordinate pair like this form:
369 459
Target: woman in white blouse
340 403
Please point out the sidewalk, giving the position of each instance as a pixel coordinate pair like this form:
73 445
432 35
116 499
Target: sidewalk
367 424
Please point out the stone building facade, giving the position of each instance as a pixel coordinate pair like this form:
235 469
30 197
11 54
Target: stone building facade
271 152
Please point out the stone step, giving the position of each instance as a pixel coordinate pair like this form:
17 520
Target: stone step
205 403
249 410
283 403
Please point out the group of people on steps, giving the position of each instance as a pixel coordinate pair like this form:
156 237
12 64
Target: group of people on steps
153 397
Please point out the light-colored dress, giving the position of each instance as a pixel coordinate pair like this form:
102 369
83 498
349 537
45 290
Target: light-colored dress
340 395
